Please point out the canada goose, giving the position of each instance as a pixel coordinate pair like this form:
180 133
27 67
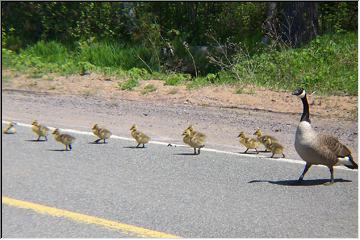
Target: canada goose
10 129
101 133
316 148
262 138
275 147
63 138
194 139
39 130
140 137
249 143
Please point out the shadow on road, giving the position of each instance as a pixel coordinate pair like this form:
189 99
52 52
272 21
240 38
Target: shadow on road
58 150
312 182
185 154
34 140
97 143
134 147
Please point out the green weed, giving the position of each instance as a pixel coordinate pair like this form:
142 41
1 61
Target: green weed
129 84
149 88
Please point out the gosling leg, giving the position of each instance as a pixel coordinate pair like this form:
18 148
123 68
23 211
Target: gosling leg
195 151
70 146
143 145
198 151
283 155
45 138
257 152
307 166
38 139
104 140
97 141
138 145
272 155
246 150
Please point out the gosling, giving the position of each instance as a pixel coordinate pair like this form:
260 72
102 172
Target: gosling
39 130
63 138
101 133
263 138
194 139
249 143
140 137
275 147
10 129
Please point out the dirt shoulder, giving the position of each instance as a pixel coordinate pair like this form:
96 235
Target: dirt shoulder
100 86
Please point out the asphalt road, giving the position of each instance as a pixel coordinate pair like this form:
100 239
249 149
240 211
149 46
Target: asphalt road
164 189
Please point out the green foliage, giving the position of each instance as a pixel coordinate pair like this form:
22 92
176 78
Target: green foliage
328 65
129 84
148 88
176 79
138 73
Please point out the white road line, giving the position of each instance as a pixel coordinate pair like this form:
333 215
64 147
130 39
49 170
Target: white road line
288 160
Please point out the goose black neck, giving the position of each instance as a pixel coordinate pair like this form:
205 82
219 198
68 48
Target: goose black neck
306 114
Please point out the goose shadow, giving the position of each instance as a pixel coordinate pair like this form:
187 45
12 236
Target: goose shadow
311 182
34 140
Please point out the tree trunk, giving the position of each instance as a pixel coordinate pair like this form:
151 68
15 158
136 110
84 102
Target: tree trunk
299 22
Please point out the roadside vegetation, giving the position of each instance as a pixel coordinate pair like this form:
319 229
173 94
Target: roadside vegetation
326 64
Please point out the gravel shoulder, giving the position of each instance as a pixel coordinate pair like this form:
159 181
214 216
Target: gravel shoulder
165 121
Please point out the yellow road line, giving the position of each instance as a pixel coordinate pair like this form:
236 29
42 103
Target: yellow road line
56 212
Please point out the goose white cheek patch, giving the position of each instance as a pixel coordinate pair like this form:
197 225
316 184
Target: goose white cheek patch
302 94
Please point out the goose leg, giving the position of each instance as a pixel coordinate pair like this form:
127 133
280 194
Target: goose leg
307 166
332 175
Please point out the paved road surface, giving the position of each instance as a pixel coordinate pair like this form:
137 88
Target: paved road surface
164 189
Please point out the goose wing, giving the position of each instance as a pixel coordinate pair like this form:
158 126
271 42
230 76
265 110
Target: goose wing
104 133
143 137
332 144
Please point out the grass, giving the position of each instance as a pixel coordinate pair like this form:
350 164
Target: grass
6 78
328 65
148 89
129 84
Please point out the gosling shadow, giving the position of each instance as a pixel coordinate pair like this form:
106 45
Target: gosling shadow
34 140
185 154
97 143
58 150
311 182
249 153
134 147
